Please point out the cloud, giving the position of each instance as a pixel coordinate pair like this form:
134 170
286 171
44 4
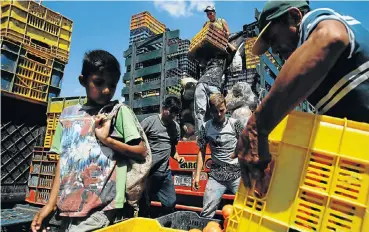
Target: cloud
182 8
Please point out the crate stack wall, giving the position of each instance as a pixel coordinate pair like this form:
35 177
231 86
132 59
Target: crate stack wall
147 85
19 135
147 82
35 47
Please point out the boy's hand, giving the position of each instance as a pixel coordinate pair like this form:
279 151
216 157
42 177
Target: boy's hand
179 159
102 127
40 216
195 182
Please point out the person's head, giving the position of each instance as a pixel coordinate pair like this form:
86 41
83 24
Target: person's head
100 76
171 108
279 24
210 12
218 107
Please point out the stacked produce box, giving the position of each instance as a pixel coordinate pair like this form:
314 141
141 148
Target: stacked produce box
158 55
35 44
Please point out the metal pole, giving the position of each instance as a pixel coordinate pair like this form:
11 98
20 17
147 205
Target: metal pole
163 70
132 73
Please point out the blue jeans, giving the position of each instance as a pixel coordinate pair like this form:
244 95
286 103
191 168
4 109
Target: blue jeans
201 106
213 195
160 187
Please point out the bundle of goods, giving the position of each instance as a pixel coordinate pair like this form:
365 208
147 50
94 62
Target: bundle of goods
241 101
187 115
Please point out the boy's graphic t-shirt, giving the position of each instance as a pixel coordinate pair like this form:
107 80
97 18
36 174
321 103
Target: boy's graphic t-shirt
89 169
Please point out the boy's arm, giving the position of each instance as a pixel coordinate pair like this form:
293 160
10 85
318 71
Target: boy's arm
55 148
51 204
56 186
201 142
133 148
174 153
226 28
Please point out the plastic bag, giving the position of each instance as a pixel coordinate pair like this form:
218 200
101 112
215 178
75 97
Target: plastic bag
240 95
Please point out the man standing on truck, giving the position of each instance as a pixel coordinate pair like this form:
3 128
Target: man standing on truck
219 23
327 63
221 133
211 81
163 134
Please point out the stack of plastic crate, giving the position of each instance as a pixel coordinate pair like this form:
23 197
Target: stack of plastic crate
35 44
144 25
21 129
208 40
252 60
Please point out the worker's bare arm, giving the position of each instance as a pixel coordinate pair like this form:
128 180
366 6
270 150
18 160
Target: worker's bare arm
305 69
226 28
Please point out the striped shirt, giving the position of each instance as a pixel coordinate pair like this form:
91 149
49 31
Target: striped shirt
345 90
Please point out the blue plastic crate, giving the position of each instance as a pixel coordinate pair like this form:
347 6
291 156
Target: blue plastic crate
18 215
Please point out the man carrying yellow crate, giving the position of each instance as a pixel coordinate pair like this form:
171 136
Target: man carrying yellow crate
327 63
211 81
220 23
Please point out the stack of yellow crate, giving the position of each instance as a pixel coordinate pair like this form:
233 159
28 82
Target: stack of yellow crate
35 45
208 40
145 19
252 60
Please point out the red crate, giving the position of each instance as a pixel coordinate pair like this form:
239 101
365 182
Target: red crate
41 176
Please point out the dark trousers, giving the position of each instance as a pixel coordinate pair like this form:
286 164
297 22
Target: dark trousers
160 188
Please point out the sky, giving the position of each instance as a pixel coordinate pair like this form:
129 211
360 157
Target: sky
105 25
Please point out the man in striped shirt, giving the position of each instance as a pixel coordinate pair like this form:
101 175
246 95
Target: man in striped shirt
327 63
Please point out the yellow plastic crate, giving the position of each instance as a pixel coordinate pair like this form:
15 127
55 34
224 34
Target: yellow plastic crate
145 19
320 180
138 225
56 105
31 72
28 22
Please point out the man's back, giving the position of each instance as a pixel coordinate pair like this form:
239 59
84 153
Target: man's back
345 90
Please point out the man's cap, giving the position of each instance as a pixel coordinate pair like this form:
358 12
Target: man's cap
272 10
209 8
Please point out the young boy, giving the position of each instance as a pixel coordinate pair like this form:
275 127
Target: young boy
90 178
221 133
163 134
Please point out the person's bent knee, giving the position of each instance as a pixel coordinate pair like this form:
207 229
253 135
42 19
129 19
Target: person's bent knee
170 203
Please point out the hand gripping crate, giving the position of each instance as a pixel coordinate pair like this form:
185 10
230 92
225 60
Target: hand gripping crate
208 40
320 180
